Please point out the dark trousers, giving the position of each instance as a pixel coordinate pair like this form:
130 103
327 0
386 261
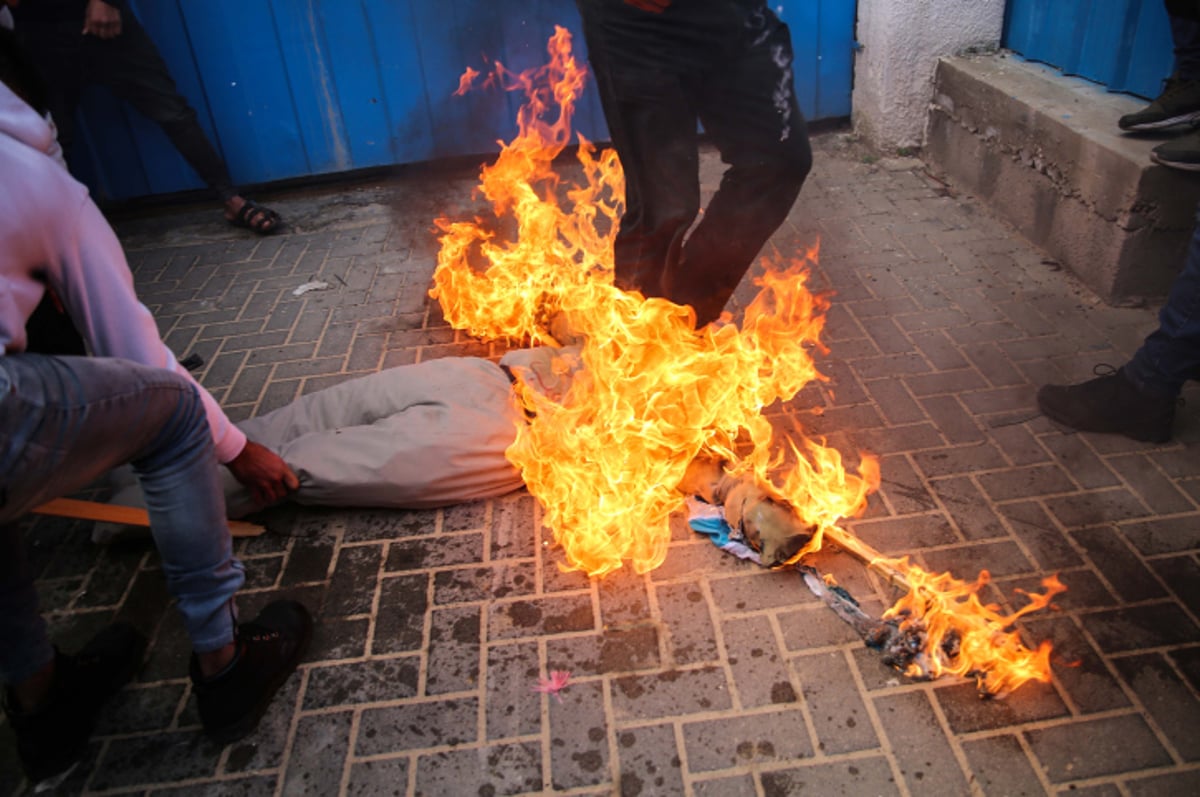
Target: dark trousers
1170 355
728 65
131 67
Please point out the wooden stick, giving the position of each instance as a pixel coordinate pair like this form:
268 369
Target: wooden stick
125 515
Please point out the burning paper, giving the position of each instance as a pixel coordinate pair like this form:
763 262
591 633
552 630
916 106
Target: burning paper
649 395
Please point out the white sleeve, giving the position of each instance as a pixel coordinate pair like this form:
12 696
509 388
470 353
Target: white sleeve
97 287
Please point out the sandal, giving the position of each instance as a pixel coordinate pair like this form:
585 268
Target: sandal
254 216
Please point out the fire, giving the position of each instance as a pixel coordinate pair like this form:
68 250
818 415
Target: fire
949 630
648 393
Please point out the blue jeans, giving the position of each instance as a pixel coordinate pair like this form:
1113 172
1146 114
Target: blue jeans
64 421
1170 355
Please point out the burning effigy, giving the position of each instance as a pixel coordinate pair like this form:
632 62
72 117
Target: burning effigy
655 412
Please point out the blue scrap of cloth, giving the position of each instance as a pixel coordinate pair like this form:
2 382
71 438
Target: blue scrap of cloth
709 520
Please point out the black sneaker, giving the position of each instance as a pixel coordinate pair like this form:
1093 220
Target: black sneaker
52 739
1113 404
1179 104
1180 153
268 649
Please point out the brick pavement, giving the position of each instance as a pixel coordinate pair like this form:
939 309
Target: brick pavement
707 676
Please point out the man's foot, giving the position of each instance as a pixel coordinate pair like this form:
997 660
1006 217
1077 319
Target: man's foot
246 213
1178 104
268 649
1180 153
52 737
1112 404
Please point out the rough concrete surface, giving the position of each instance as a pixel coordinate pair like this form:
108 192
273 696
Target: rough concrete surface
1045 152
707 676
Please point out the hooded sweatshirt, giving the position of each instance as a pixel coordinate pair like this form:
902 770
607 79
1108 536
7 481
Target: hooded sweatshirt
51 233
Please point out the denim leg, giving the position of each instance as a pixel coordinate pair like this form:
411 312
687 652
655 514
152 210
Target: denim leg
132 67
64 421
1185 35
1170 355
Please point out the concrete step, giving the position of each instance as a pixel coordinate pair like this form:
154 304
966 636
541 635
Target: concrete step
1045 152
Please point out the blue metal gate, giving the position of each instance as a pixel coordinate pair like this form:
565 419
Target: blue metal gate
1123 44
293 88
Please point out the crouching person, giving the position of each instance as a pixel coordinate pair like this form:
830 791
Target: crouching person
66 420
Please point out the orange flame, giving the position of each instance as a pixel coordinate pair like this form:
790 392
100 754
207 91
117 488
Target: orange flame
648 393
962 636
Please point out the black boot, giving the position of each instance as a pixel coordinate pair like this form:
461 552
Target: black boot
268 649
1111 403
52 738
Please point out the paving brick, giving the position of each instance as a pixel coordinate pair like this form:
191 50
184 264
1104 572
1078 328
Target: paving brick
157 758
690 637
613 651
1120 566
858 776
1027 482
351 585
512 670
400 620
413 726
969 509
427 553
1181 574
1096 507
454 650
1187 782
758 667
361 682
502 580
319 754
919 743
839 716
1156 490
1115 744
669 694
897 536
650 762
579 752
1148 626
1080 461
540 616
957 460
1164 535
514 768
1001 766
1000 558
383 777
1049 547
746 740
1078 667
1166 696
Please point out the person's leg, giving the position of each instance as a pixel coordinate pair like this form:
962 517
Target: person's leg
1170 355
67 420
749 108
1138 400
131 66
1184 16
652 122
63 422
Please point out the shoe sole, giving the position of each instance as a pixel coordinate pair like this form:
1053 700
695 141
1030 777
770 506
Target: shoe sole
1192 119
1054 416
246 725
1184 166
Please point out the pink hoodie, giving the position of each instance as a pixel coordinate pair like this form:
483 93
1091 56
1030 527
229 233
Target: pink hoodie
49 226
